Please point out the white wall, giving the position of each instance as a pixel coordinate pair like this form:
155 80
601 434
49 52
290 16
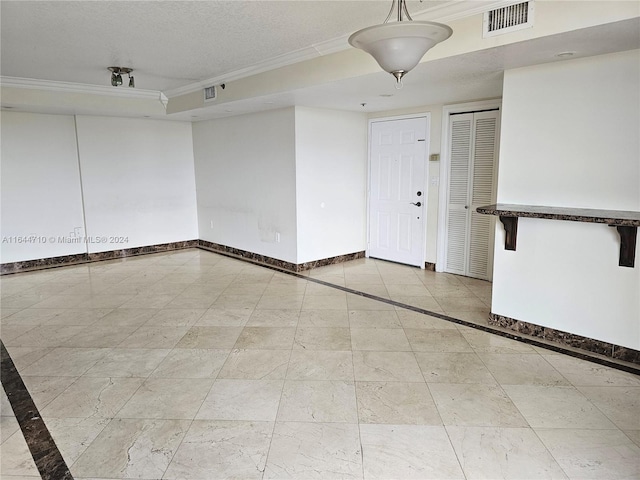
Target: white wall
40 185
245 178
138 181
331 182
570 139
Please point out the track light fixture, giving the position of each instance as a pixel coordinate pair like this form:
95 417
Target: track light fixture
116 76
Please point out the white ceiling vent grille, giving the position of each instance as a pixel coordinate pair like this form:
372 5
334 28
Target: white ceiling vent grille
210 93
508 19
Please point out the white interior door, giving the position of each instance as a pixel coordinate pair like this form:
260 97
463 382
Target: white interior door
396 194
473 140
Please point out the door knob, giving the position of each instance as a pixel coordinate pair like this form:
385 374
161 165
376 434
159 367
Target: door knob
416 204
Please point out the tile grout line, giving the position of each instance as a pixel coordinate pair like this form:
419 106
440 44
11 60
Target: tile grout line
355 388
284 383
475 326
488 329
547 449
511 335
43 448
423 375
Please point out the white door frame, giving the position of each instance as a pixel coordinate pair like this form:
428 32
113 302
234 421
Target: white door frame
445 163
427 117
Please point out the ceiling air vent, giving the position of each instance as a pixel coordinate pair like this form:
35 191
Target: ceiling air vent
210 93
508 19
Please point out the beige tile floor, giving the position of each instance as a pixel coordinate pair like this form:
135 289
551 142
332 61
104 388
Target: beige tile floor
191 365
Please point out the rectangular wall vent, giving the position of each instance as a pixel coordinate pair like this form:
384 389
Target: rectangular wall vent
508 19
210 93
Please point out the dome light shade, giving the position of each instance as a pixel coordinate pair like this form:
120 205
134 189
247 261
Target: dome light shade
399 46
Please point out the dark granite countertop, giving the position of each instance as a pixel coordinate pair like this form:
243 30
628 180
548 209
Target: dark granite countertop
610 217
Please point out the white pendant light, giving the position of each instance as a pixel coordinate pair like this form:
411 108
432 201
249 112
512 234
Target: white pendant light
399 46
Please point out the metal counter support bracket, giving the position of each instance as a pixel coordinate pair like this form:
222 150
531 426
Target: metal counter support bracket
628 237
626 222
511 231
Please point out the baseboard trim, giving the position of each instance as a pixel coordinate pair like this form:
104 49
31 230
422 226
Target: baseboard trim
563 342
274 262
566 339
66 260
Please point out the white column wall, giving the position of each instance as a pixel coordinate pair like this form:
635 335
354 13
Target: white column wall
138 181
331 182
570 139
245 177
40 186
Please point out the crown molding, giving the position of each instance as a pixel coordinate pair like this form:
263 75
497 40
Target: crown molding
448 12
333 46
290 58
458 9
69 87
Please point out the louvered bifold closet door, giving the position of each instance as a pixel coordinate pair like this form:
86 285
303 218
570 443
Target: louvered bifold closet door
481 232
460 133
473 140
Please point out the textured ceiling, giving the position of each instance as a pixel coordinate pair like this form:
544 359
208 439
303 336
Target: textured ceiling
467 77
173 44
169 44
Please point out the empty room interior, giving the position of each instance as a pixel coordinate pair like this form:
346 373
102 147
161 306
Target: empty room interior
292 239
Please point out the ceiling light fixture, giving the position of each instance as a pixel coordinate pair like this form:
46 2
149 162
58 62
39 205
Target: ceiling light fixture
116 76
399 46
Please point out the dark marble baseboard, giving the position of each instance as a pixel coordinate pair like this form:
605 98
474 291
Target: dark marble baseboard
132 252
430 266
330 261
567 339
43 263
274 262
244 254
